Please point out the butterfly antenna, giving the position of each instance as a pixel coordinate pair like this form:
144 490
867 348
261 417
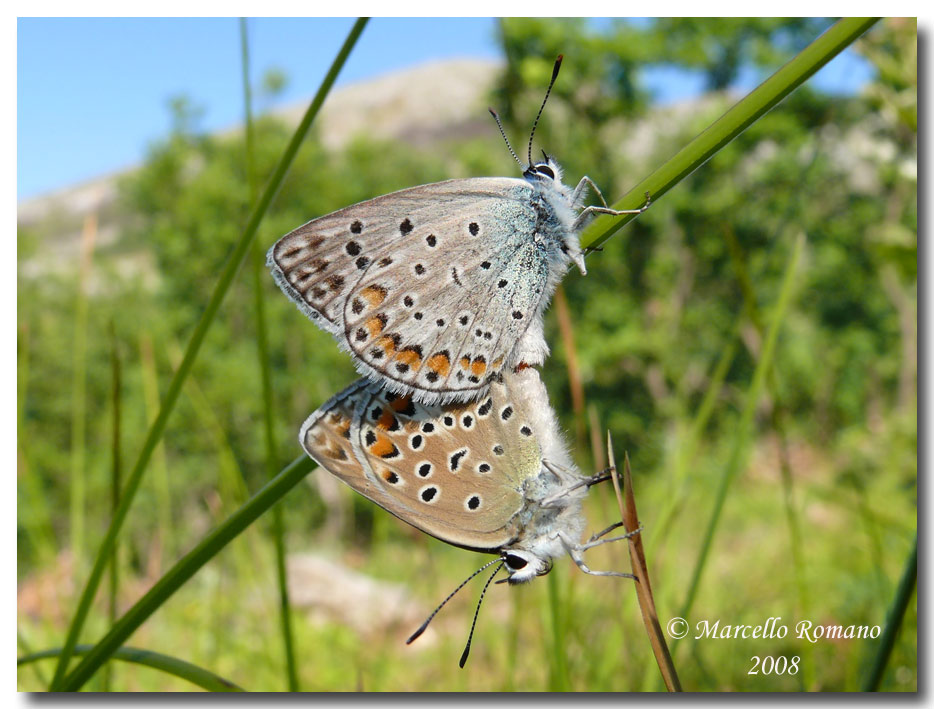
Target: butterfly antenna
431 617
477 612
554 76
503 133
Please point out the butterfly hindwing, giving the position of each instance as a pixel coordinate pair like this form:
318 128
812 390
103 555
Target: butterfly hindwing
430 288
457 472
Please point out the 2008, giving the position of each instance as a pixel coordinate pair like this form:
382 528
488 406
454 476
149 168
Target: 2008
769 665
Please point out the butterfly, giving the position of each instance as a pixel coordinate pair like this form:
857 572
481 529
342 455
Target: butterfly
437 289
492 475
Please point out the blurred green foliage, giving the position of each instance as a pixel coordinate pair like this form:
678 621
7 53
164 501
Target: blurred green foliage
663 302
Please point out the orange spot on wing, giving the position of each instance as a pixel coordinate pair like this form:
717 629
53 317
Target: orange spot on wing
388 344
497 363
439 363
374 295
478 366
410 357
522 365
383 446
465 362
375 325
386 420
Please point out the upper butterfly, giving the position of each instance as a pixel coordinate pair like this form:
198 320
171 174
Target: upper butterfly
436 289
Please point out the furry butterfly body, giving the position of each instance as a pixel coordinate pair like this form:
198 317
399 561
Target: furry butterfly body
491 476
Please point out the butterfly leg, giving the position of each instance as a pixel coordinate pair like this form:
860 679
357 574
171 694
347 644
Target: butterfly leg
584 183
587 211
574 551
595 543
597 535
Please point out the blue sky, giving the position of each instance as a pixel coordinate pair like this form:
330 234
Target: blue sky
92 93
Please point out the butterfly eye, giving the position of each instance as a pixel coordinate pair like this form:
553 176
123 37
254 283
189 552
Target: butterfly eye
515 562
545 170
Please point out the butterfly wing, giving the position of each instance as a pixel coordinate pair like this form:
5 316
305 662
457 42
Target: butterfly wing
430 288
457 472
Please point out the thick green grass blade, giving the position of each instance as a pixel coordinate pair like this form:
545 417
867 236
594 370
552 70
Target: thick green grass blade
731 124
191 353
893 623
745 426
263 357
157 661
185 568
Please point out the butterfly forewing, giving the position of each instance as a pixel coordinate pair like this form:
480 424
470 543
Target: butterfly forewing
431 287
456 471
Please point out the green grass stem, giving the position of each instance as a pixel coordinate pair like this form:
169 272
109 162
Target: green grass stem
263 358
185 568
762 99
114 584
220 290
157 661
893 622
745 425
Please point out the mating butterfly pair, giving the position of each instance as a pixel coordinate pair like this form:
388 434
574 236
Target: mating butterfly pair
438 294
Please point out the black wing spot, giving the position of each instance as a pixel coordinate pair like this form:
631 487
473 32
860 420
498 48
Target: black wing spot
408 302
416 442
383 262
474 228
361 335
454 276
428 427
484 409
473 502
488 335
462 320
431 240
506 413
525 431
419 269
467 421
483 468
485 265
517 314
498 449
356 227
448 420
357 306
370 438
392 478
428 494
432 377
439 322
502 284
362 262
353 248
418 316
402 368
405 227
376 353
456 459
424 470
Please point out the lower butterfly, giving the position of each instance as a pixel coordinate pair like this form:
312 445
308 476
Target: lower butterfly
491 475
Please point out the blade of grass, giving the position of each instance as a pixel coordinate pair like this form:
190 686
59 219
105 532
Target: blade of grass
78 476
558 679
164 663
640 568
262 353
159 472
731 124
744 428
191 352
185 568
896 615
114 481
